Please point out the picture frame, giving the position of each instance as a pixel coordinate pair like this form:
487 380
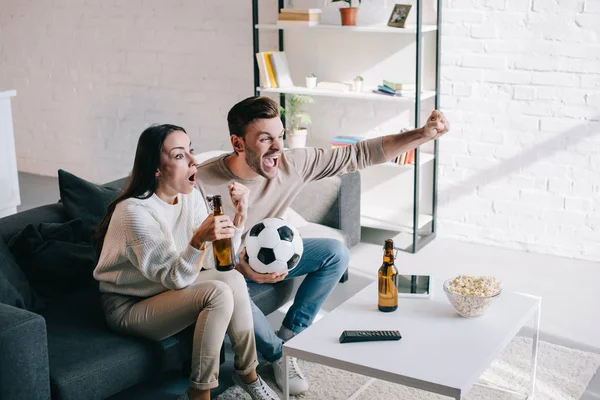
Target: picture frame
399 15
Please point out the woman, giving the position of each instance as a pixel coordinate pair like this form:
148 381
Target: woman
154 239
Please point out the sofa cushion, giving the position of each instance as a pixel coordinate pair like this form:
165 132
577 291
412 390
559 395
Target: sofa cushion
85 200
13 224
87 360
8 294
15 289
312 230
54 259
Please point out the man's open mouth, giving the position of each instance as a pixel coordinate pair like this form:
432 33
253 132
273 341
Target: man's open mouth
271 161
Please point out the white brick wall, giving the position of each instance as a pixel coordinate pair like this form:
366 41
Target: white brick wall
520 168
91 75
520 83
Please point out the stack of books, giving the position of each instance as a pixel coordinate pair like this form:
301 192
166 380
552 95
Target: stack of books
406 158
299 16
273 70
393 88
342 141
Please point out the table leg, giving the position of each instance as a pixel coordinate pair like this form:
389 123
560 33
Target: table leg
534 350
286 387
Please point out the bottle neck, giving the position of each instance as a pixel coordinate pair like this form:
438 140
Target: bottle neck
388 252
388 259
217 207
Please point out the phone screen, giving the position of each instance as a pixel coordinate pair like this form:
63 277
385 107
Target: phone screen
413 284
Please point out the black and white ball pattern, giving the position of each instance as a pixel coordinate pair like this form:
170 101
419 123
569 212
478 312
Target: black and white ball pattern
273 246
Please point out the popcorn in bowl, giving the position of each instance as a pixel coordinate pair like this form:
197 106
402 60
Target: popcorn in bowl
472 295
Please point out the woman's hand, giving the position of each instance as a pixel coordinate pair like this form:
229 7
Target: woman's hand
245 269
239 197
212 228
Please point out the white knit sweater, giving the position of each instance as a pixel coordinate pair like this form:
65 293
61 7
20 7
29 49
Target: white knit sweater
147 248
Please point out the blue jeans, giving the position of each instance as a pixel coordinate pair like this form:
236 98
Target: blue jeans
323 261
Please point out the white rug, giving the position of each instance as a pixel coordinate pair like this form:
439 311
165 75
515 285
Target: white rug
562 374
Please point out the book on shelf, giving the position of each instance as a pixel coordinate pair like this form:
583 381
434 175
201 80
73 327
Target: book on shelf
301 10
265 69
398 93
342 141
397 85
285 16
281 69
406 158
262 71
385 89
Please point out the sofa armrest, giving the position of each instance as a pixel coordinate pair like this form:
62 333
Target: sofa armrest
334 202
24 350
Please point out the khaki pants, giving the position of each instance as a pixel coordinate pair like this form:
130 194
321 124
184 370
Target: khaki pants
217 302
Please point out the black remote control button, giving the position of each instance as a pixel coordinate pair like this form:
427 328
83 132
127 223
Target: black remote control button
368 336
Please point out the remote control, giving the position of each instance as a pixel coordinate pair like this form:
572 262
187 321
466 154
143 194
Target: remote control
368 336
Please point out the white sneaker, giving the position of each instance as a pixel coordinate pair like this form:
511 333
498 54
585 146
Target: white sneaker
297 382
258 390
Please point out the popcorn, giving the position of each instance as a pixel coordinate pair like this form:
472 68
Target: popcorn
474 285
471 295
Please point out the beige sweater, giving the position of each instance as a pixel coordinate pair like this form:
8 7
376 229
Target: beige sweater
147 247
297 167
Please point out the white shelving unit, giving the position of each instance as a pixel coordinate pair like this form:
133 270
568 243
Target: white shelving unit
391 194
392 181
348 94
410 29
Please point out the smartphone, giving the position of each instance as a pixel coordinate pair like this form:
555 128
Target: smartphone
414 286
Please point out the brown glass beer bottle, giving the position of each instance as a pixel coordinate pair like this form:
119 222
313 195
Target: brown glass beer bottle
222 248
388 280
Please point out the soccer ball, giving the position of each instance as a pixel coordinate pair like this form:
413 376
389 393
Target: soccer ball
273 246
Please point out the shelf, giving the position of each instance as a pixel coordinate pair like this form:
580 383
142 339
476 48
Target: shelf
410 29
423 159
425 94
391 220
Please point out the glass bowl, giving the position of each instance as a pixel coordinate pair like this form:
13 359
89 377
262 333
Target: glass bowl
469 306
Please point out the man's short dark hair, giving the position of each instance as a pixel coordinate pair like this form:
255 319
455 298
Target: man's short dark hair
247 111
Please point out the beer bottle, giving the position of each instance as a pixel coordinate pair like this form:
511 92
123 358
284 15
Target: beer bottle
222 248
388 280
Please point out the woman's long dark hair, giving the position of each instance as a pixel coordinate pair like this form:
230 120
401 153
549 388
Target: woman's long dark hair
142 180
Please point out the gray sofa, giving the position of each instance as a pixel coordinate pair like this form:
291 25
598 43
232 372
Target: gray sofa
66 351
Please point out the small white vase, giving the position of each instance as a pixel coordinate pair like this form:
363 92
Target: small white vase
311 82
297 138
358 86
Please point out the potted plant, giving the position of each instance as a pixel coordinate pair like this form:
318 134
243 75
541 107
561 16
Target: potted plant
311 81
297 119
348 13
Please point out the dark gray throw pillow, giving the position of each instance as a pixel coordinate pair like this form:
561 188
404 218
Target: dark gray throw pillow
15 289
54 259
85 200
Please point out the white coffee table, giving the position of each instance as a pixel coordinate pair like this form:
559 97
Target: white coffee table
440 351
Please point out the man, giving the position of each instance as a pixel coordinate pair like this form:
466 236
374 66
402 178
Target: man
275 178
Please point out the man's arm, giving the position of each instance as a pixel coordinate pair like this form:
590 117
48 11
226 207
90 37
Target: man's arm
314 164
395 145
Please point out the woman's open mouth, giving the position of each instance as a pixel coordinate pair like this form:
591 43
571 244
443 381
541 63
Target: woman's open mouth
192 179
